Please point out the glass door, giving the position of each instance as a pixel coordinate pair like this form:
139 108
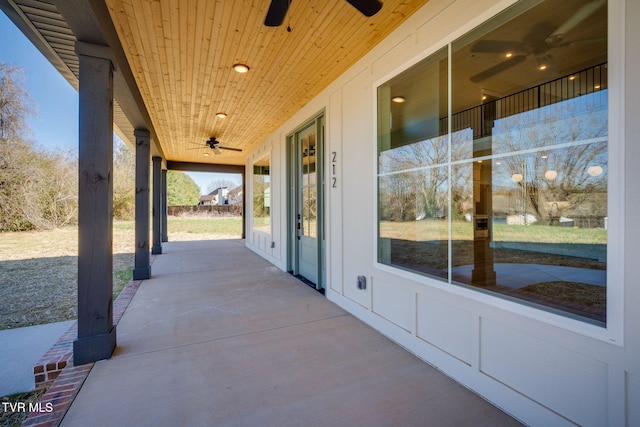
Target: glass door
306 201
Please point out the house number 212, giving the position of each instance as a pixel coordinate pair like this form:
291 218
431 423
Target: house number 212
334 179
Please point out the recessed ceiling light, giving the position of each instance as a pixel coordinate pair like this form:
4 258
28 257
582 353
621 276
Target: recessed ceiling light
508 54
572 77
241 68
398 99
542 67
206 154
221 115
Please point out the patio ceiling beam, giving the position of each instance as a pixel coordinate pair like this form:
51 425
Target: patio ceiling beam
90 21
204 167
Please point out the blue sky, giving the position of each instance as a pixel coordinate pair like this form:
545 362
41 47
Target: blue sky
56 123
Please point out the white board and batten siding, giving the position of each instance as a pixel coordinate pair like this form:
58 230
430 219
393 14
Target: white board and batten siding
542 368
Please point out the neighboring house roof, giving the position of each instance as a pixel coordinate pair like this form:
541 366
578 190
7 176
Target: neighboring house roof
218 191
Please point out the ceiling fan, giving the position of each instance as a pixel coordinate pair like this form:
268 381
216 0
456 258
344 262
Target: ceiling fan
278 10
541 39
214 144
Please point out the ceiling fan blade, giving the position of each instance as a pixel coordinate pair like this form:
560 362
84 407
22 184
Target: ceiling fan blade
581 42
276 13
574 20
215 150
498 68
366 7
497 46
229 148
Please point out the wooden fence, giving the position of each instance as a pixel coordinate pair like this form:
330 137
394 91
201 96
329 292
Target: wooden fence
222 210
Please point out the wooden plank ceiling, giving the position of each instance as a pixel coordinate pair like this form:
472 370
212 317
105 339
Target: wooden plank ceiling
181 53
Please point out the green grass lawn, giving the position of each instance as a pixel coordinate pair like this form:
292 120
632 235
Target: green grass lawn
423 246
427 230
231 226
536 233
38 274
220 226
38 269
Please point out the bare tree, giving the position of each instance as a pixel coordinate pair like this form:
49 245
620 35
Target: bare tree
50 196
124 184
15 151
221 183
16 104
413 181
556 181
38 189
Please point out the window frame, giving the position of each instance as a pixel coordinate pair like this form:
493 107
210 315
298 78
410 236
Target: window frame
612 331
253 198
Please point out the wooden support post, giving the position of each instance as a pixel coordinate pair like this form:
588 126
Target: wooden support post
157 206
244 203
165 236
96 332
142 268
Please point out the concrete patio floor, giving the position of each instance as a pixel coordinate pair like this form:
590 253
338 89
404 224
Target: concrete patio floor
220 337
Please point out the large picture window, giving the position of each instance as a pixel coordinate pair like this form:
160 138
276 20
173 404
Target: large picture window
504 190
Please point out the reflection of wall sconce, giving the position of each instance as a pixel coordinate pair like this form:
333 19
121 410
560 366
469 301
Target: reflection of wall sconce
595 170
517 177
551 175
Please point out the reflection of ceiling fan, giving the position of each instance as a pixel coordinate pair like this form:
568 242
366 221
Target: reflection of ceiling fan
278 10
214 144
541 39
311 151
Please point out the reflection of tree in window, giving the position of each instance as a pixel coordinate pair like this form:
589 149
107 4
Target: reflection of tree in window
308 223
517 172
262 194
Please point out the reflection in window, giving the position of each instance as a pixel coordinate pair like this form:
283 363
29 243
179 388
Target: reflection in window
413 177
308 185
508 192
262 195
